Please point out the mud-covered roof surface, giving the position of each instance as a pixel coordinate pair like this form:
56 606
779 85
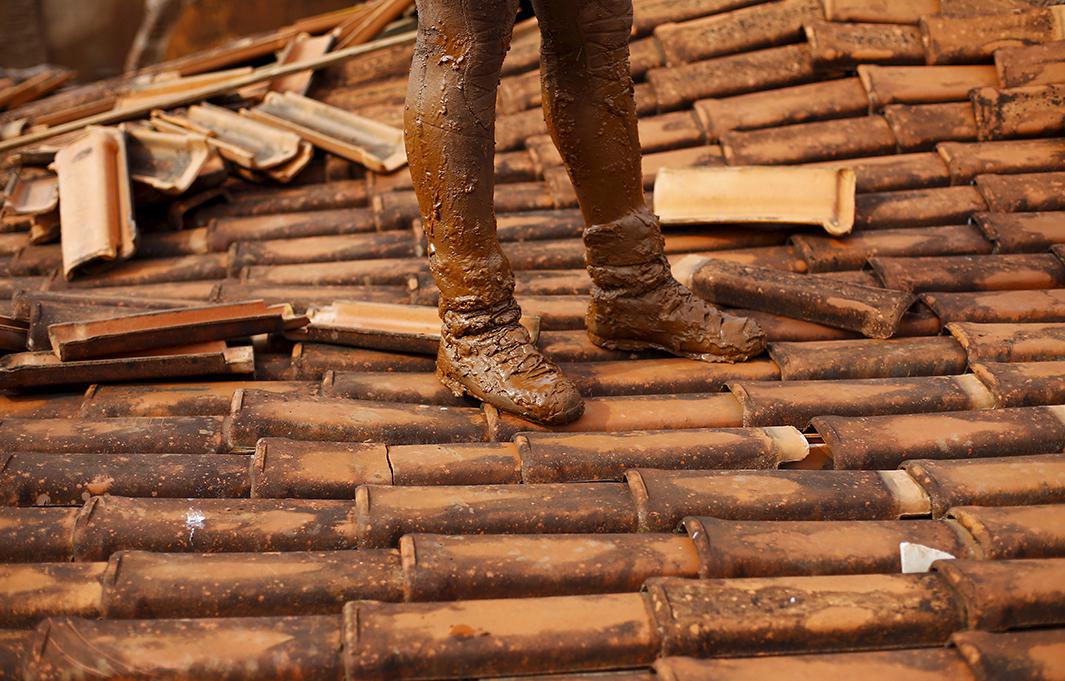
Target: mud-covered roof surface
259 477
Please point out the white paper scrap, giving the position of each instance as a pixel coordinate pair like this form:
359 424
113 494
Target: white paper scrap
918 557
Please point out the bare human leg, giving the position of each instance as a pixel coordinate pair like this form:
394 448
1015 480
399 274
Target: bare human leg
450 137
591 114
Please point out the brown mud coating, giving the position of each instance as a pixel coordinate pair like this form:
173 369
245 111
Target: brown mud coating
590 110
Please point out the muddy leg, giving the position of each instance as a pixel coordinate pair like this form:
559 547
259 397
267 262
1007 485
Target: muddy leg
591 114
450 136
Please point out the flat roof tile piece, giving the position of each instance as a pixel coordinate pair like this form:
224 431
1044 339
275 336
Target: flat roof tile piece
917 208
1023 192
894 172
1023 384
140 584
383 514
164 328
664 498
866 358
881 442
1022 232
871 311
795 403
829 99
1027 342
844 44
273 647
733 617
754 548
1025 653
970 272
826 254
261 414
731 75
1031 65
445 568
1007 481
922 664
36 535
484 638
919 127
739 30
163 435
50 479
108 523
38 590
968 160
1033 111
1036 531
807 142
564 457
967 39
923 84
1015 594
999 306
283 468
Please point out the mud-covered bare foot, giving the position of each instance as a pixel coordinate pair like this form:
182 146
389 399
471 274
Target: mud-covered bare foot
673 319
502 367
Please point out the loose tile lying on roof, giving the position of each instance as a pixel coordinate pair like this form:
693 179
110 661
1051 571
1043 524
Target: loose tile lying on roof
166 161
871 311
728 195
149 330
95 201
37 369
377 146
